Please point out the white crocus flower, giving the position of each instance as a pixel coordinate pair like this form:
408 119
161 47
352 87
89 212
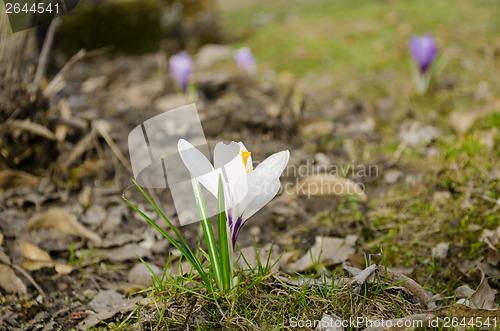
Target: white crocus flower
246 190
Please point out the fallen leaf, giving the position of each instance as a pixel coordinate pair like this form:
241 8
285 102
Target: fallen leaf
493 256
409 284
4 258
124 253
463 291
10 282
60 220
492 235
363 276
15 178
1 238
459 310
440 251
141 275
462 121
484 296
95 215
107 304
35 258
327 251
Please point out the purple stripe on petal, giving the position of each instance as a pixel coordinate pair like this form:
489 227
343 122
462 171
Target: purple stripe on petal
229 217
237 226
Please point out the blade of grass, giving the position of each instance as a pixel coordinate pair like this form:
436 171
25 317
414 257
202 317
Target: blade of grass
227 270
183 247
209 235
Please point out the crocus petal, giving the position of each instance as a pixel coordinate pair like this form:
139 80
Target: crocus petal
263 185
254 191
424 51
224 153
277 162
233 171
199 166
244 58
181 68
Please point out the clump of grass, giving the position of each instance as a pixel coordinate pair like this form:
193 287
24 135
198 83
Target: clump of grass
266 299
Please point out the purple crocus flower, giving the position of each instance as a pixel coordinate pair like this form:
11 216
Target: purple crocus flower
424 51
244 59
181 68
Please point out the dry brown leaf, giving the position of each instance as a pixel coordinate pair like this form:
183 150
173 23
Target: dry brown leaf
327 251
35 258
459 310
109 303
323 185
484 297
493 256
124 253
492 235
462 121
14 178
1 238
32 252
4 258
363 276
409 284
10 282
60 220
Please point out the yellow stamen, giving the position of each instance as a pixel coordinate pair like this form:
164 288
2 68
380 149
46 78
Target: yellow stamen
245 155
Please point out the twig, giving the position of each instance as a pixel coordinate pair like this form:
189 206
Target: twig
32 281
18 63
28 126
57 83
44 55
3 31
114 148
81 147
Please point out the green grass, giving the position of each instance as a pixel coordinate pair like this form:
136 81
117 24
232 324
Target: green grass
353 37
363 47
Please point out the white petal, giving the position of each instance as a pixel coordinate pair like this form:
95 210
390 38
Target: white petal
263 185
199 166
225 153
277 162
234 170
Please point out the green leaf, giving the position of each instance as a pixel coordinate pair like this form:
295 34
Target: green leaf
209 234
183 247
225 258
